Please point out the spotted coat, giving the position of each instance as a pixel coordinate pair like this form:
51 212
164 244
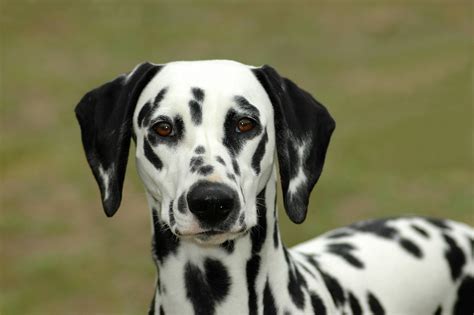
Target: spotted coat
207 136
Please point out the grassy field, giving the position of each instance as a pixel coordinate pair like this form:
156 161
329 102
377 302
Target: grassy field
396 75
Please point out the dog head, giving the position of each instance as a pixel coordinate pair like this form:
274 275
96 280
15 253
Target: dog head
206 133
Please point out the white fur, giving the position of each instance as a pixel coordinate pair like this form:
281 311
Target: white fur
405 284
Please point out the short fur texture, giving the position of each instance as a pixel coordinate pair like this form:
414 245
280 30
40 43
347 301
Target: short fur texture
212 194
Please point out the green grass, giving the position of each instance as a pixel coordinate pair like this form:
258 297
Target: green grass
397 77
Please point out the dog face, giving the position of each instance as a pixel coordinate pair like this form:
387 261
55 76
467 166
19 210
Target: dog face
204 147
205 134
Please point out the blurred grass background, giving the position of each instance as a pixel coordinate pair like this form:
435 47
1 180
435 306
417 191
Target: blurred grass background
396 75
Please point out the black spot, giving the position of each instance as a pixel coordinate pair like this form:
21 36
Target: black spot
200 150
159 97
311 273
344 250
420 230
220 160
195 105
234 140
335 289
375 305
269 307
236 167
147 110
252 268
438 311
259 153
455 257
438 223
241 218
198 94
151 156
318 304
354 304
296 282
195 163
182 203
231 177
258 233
196 112
171 214
228 246
217 278
377 227
465 303
206 170
178 127
164 242
276 239
244 105
208 288
287 256
340 234
162 311
411 247
144 112
380 228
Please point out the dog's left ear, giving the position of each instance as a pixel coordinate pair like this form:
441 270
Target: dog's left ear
105 116
303 128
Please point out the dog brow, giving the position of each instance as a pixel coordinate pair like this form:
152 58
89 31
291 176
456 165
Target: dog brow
245 106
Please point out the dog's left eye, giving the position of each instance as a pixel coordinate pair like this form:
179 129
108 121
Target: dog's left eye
245 124
163 129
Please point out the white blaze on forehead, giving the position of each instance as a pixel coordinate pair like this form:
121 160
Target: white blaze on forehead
300 178
105 177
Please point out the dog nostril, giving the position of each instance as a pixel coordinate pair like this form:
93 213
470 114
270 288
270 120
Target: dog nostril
211 203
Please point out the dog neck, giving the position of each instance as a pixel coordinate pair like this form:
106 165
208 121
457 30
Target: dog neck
196 279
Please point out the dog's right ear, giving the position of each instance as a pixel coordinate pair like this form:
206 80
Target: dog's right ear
105 116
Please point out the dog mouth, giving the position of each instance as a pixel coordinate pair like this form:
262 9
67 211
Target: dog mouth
212 236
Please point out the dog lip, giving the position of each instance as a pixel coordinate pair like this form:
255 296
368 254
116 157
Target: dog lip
206 233
210 233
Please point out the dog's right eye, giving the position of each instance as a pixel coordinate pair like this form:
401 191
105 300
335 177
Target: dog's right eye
163 129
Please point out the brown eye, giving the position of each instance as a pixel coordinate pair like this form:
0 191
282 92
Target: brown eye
163 129
245 124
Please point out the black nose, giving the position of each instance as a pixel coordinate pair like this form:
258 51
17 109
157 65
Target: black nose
211 202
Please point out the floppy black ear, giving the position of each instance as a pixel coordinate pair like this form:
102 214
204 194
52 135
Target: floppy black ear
105 116
303 129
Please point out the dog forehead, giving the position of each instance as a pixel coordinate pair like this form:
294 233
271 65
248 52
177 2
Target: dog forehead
220 80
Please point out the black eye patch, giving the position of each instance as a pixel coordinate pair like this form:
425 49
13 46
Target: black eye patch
233 140
178 131
147 110
244 105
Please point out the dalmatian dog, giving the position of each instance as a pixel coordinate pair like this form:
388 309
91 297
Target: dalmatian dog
208 136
